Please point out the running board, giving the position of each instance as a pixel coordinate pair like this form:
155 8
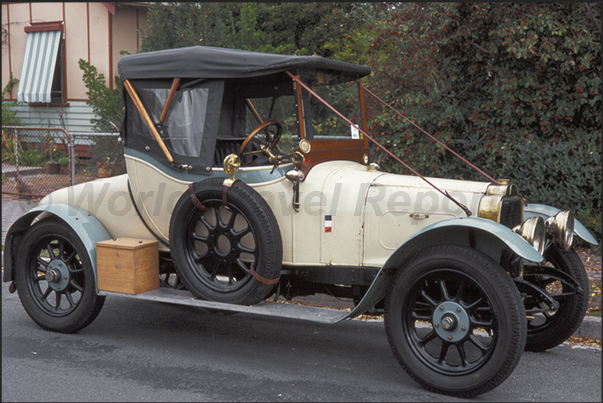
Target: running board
266 308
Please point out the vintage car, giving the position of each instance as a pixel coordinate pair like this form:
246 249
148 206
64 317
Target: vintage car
249 183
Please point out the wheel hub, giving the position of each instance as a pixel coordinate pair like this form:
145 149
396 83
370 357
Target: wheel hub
450 321
57 275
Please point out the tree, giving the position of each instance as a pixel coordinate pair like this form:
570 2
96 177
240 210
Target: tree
515 87
290 28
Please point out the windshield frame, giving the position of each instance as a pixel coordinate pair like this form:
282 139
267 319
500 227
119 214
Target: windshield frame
323 150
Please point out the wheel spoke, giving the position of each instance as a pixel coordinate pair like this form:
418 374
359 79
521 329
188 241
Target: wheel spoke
474 305
480 323
214 270
242 265
443 352
461 350
43 263
69 299
57 304
46 293
206 223
199 237
429 337
231 220
475 341
70 257
244 249
240 234
428 299
417 316
229 273
50 250
444 291
218 215
76 286
198 258
461 290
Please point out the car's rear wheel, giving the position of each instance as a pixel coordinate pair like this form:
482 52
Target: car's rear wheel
547 329
226 252
455 321
55 279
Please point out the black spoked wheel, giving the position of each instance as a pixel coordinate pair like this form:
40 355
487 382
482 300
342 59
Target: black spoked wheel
221 247
548 328
455 322
218 249
55 279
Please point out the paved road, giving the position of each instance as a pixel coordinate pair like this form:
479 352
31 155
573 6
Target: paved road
145 351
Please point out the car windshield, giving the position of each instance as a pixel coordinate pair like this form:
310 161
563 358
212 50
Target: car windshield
321 123
281 108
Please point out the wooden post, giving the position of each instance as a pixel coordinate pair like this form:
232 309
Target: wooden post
147 119
170 97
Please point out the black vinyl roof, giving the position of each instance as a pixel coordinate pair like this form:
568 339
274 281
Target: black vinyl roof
221 63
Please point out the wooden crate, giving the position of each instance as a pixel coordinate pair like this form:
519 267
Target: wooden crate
127 265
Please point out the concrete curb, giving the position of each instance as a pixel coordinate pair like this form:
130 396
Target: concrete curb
590 327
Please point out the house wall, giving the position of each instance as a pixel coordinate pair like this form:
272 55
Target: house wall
91 33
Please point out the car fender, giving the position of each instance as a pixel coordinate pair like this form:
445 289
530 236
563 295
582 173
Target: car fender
544 211
487 236
85 225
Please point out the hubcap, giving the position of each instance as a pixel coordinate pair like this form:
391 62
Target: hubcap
451 321
57 275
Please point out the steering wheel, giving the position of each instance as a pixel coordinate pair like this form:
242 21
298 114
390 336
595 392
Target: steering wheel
271 140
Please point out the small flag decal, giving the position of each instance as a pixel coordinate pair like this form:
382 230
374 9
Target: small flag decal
328 223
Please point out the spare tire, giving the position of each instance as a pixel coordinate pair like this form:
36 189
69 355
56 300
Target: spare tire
227 252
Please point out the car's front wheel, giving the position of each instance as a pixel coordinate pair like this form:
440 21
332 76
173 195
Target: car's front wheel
455 321
564 278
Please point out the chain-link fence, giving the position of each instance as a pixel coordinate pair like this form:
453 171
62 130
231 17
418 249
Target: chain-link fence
37 161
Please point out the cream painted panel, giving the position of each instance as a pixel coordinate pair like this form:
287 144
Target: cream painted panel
279 196
46 12
396 227
345 190
394 201
337 189
109 201
158 193
76 45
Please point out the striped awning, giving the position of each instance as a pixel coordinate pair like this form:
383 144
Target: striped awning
39 63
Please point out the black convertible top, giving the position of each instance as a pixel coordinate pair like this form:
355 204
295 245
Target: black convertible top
221 63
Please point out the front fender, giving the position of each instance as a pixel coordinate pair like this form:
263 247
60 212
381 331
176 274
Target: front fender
86 226
487 236
545 212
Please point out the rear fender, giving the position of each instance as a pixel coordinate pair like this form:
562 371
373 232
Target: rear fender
486 236
545 212
86 226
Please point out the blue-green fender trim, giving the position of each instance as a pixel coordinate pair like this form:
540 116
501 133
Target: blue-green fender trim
545 212
86 226
494 234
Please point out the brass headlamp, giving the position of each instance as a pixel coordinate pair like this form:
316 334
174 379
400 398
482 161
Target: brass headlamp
533 230
561 229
